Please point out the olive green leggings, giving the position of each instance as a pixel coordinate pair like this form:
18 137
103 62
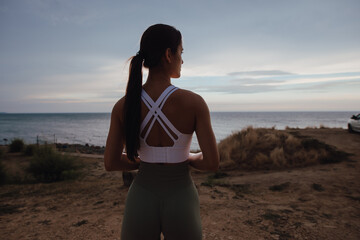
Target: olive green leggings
162 199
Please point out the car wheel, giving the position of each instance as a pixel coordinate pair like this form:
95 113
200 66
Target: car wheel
350 129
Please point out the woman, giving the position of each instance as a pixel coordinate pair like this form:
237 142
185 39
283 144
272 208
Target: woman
155 123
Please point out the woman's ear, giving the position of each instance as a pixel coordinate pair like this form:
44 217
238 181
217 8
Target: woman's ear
168 55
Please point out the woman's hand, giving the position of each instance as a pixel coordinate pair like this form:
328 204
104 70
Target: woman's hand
195 157
196 161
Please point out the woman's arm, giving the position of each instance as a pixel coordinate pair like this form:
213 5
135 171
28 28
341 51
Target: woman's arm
114 158
208 159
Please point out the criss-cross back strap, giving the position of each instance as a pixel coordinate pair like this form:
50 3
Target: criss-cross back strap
157 114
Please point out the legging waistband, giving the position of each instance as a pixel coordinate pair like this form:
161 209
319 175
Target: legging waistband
163 175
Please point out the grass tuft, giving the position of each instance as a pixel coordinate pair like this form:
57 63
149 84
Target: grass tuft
271 216
318 187
279 187
82 222
218 175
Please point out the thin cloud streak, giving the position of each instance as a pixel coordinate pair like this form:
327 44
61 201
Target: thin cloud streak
248 86
260 73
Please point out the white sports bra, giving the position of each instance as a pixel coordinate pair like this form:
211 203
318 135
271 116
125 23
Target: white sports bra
179 152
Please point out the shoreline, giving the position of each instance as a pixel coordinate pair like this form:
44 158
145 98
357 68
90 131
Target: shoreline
96 149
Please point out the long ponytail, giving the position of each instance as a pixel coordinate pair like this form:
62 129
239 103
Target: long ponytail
155 40
132 111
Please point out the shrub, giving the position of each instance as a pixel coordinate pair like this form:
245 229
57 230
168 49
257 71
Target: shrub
30 150
48 165
2 173
263 149
16 145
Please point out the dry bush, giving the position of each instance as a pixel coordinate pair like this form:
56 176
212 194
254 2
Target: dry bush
48 165
264 148
2 173
16 145
30 150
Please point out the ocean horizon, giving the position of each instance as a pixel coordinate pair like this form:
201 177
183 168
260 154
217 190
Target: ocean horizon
92 128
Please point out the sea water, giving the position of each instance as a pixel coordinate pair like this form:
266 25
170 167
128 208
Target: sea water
92 128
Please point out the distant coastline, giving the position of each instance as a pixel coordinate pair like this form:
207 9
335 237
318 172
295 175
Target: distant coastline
92 128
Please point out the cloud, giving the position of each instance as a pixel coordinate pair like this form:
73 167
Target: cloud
260 73
65 12
314 83
351 83
256 81
235 88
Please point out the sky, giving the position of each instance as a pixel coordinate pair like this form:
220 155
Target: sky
255 55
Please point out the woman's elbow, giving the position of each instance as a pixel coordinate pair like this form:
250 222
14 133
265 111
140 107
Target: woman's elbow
215 163
108 163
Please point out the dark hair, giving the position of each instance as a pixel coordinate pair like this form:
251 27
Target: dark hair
154 42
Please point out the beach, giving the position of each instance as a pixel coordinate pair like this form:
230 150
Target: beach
321 201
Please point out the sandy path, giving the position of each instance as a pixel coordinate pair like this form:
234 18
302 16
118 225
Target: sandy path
318 202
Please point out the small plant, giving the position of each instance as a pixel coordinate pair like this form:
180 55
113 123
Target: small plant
48 165
219 174
318 187
2 174
279 187
16 145
30 150
269 215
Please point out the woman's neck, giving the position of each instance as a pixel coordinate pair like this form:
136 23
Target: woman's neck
157 79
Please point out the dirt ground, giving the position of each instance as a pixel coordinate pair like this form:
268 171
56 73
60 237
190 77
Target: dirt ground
317 202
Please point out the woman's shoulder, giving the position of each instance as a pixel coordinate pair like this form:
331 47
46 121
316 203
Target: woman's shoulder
118 108
119 104
190 97
188 94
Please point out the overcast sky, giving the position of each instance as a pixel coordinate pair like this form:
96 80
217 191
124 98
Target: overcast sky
268 55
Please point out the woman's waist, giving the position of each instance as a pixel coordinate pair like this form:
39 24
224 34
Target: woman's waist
167 173
164 167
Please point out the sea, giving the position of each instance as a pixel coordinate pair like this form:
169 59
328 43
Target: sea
92 128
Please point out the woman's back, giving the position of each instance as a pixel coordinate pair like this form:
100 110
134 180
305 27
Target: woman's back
179 109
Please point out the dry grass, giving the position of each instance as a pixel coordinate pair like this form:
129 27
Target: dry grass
37 164
16 145
263 148
49 165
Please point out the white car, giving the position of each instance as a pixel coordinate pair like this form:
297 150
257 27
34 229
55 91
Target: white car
354 123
